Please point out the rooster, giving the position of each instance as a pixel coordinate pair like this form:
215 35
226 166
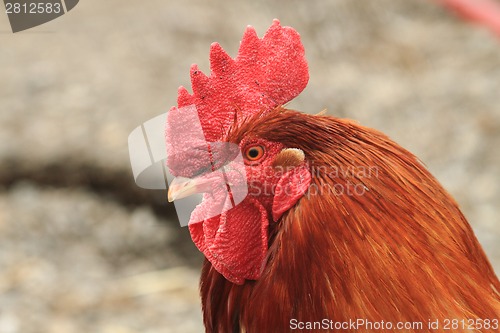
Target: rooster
341 229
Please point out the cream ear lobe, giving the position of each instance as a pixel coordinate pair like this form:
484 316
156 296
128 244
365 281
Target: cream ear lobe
289 158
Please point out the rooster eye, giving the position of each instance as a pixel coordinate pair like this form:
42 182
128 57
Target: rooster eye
254 153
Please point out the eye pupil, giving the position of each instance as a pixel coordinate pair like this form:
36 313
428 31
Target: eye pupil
253 153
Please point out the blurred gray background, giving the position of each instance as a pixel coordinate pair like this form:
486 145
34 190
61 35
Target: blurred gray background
82 249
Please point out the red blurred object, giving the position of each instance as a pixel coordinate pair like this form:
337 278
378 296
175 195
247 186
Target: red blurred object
484 12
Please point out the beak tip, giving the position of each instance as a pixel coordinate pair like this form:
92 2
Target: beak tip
182 187
171 196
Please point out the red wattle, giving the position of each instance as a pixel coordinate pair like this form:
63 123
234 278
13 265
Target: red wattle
235 242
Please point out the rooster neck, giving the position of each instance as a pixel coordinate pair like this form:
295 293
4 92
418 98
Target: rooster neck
318 267
320 262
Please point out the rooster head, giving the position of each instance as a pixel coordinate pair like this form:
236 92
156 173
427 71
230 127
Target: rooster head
247 182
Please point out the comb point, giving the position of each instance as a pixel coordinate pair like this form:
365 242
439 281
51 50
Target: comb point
199 80
249 42
184 98
274 27
195 71
220 61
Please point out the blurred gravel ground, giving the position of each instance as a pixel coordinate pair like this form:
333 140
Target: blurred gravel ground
83 250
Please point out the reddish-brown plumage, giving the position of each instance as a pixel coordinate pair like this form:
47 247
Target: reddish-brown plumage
339 223
395 249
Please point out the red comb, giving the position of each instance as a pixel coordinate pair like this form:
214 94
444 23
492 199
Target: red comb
266 73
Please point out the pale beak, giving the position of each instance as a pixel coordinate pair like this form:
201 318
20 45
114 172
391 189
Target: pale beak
182 187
